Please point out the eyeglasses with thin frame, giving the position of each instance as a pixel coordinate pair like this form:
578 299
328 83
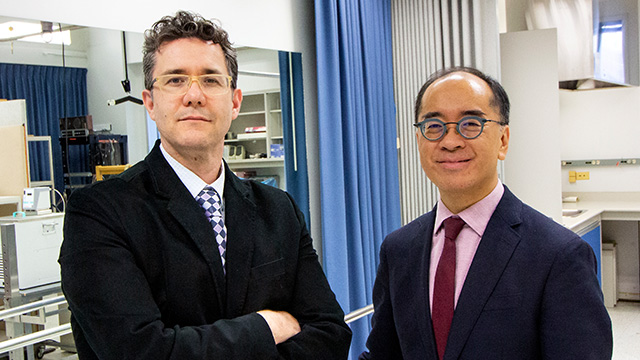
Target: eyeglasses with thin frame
179 84
470 127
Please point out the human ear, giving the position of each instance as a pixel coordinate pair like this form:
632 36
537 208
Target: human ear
147 98
237 102
504 143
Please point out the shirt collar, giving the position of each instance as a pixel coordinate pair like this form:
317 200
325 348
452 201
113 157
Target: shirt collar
475 216
192 181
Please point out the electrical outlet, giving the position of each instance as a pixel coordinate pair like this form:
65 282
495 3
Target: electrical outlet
582 175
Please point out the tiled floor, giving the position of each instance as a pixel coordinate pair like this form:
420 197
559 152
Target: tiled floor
625 317
60 355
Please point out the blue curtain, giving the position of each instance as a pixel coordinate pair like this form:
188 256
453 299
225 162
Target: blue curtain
51 93
295 162
360 197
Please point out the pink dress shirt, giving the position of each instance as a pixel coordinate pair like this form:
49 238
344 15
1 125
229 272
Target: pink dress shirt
476 218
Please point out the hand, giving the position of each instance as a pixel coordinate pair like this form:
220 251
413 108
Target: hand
282 324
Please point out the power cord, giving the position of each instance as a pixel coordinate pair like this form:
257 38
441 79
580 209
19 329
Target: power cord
64 204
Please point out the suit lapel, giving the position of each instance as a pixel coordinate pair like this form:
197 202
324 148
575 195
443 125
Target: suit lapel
423 310
498 242
240 214
189 214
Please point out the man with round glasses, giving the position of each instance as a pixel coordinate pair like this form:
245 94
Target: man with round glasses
177 258
482 276
469 127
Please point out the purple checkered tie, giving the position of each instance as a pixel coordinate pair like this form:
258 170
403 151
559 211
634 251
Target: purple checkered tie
210 201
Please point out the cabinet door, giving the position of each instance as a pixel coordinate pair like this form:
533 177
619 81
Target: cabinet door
13 150
593 237
37 248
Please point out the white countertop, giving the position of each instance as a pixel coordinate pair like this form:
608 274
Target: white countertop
625 204
5 200
10 200
19 219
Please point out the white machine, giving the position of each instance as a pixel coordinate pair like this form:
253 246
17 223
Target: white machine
36 201
30 249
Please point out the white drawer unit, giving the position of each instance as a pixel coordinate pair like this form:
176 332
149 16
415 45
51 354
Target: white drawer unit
30 249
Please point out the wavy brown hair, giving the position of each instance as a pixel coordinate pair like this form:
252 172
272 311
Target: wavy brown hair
185 24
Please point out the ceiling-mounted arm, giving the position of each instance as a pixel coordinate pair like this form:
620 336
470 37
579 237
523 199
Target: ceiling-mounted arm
125 83
125 99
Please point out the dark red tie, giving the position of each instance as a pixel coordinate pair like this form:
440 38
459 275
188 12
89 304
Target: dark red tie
444 285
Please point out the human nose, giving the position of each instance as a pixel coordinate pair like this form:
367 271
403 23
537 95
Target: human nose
451 139
194 94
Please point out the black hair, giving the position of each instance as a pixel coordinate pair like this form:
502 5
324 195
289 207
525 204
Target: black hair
500 99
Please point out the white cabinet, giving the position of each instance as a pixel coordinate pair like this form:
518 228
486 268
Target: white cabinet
623 228
30 249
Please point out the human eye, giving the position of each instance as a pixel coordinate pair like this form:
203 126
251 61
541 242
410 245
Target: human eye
432 126
175 80
470 124
213 80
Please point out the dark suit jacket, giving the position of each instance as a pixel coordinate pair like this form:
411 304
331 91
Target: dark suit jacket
143 277
531 293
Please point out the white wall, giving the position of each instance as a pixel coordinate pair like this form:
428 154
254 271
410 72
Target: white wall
514 15
105 71
532 167
22 52
596 124
269 24
601 124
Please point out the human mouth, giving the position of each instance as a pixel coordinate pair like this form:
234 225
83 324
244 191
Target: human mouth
453 164
194 118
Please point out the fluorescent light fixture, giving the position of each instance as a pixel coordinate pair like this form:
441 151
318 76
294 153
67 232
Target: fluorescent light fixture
32 32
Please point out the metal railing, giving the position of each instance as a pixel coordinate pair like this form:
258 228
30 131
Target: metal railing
357 314
33 306
30 339
33 338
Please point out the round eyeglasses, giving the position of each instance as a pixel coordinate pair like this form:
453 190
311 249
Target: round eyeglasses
179 84
470 127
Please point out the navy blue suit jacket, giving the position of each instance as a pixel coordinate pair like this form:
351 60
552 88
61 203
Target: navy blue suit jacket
531 293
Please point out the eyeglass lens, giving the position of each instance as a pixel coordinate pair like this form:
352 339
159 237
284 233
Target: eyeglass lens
469 128
211 84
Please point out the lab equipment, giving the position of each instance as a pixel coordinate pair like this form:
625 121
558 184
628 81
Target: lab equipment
37 201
